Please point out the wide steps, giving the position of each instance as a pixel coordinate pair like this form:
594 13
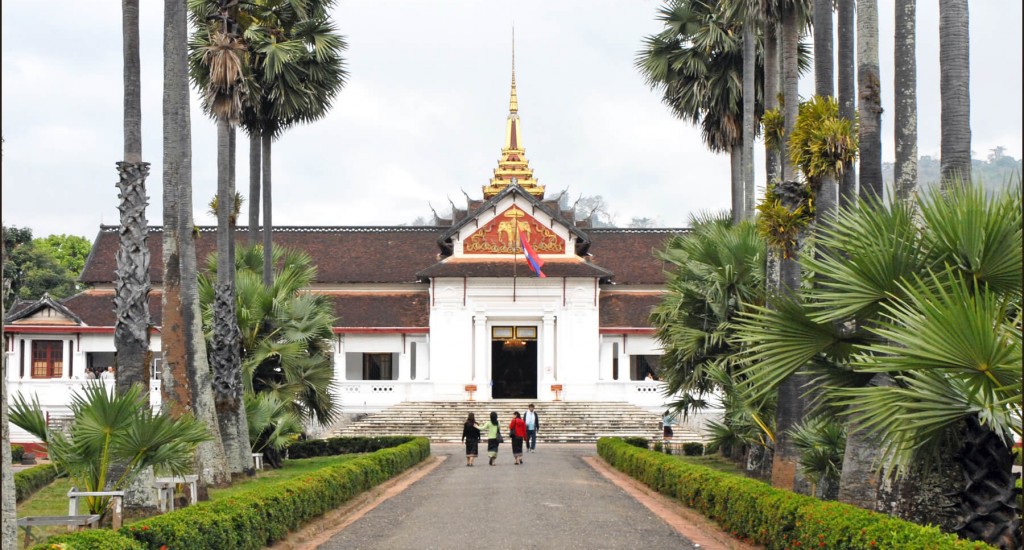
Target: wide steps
561 422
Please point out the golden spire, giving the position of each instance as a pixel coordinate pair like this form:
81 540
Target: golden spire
513 166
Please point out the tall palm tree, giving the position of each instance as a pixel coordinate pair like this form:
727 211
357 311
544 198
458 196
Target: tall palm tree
869 108
294 71
186 381
132 285
749 39
905 118
936 306
215 65
792 23
827 196
9 528
772 90
955 90
845 46
697 63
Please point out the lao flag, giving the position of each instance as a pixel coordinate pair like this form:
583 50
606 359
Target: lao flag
531 257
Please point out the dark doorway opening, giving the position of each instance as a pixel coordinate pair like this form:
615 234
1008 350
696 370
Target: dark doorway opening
514 371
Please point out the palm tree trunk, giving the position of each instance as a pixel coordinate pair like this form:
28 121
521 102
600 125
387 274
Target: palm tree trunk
771 95
736 176
749 75
847 91
870 95
824 75
9 527
955 91
790 79
187 385
132 285
255 152
791 404
268 225
988 503
905 118
226 346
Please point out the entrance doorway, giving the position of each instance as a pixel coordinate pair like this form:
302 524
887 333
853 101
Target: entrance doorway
514 363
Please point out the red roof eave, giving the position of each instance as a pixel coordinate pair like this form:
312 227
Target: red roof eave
68 329
626 330
381 330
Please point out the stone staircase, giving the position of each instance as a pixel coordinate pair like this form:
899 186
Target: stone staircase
560 421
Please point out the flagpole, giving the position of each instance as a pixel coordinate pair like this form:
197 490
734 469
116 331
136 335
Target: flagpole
515 254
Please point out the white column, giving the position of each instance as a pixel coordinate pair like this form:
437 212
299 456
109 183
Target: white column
481 344
404 360
69 348
340 368
549 348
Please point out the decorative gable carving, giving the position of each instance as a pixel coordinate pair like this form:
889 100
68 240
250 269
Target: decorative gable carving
500 235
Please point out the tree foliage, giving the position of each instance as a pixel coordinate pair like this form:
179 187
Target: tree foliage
43 265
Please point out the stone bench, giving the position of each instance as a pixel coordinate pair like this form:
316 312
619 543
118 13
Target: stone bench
165 487
116 499
72 522
257 461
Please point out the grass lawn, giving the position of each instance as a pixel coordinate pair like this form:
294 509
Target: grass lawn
53 499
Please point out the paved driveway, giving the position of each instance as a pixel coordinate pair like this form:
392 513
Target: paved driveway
554 500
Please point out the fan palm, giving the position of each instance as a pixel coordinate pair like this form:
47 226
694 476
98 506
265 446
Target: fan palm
285 333
111 427
717 271
936 308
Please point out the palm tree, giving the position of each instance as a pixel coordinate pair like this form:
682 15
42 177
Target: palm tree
770 19
216 67
905 118
286 332
108 428
845 27
955 89
936 311
697 63
186 381
869 108
717 271
9 530
294 71
827 196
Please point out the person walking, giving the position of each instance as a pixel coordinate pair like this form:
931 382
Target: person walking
517 430
493 437
532 422
471 436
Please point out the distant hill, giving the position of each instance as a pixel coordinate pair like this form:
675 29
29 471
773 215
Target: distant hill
994 173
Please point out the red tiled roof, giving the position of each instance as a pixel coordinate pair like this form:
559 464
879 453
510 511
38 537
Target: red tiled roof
379 310
399 254
341 254
96 308
629 253
627 309
465 267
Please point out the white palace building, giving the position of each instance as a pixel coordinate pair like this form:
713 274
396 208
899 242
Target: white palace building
424 313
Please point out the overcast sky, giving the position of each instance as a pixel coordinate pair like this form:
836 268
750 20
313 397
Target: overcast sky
422 117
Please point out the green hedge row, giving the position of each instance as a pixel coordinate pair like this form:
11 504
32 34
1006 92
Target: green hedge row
757 513
344 445
30 480
258 518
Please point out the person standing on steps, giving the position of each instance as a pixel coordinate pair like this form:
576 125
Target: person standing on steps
532 422
517 431
493 435
471 436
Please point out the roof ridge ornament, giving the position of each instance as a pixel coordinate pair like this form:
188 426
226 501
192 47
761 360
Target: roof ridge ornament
513 166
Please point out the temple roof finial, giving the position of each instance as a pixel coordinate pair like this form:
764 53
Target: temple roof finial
513 103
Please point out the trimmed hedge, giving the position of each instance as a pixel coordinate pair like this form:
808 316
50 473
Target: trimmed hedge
262 516
17 453
94 539
639 442
344 445
757 513
30 480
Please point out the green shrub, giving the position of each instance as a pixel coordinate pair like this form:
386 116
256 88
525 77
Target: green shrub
693 449
30 480
257 518
640 442
95 539
757 513
344 445
657 447
17 452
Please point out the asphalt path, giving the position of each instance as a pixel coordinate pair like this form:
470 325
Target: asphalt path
553 500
